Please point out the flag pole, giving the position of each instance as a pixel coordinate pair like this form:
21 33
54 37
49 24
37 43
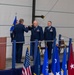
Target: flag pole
16 14
13 54
70 41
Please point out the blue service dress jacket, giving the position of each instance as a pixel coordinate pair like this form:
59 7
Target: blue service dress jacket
49 33
19 32
36 33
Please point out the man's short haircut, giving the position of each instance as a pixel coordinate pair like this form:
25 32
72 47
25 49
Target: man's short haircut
50 22
21 20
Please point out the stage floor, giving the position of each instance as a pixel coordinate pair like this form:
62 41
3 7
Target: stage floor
9 62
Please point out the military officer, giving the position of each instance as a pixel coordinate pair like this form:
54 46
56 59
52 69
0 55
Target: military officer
49 35
19 37
36 34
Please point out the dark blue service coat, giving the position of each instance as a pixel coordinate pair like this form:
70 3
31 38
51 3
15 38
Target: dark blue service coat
36 33
49 33
19 32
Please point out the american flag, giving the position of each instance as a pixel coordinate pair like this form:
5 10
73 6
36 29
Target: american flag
26 70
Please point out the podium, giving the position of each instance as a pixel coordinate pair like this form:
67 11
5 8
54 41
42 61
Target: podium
2 53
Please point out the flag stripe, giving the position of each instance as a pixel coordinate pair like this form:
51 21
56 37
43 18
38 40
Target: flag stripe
26 70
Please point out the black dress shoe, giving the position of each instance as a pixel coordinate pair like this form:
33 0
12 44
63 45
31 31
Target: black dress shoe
49 58
31 59
19 62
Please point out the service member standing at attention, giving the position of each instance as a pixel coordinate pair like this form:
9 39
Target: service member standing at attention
49 34
19 37
36 34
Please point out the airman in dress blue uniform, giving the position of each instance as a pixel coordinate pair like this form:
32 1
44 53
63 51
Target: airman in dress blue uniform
49 35
19 37
36 34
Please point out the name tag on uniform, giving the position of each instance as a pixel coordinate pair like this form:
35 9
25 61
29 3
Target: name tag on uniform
51 30
38 30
